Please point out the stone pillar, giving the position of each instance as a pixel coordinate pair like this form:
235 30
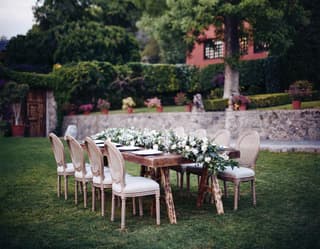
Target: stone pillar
51 115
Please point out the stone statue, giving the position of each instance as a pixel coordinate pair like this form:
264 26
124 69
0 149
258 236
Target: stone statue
197 103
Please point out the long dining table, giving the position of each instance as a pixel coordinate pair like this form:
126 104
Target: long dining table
163 162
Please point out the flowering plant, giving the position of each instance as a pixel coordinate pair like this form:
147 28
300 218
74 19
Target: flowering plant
127 102
181 99
200 150
154 102
86 107
300 89
103 104
238 100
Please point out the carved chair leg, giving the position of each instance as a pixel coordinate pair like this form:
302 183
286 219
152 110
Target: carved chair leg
123 212
236 197
253 190
112 207
76 192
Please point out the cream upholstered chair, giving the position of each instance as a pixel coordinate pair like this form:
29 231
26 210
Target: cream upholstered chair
83 172
248 144
222 137
63 169
101 177
125 186
194 168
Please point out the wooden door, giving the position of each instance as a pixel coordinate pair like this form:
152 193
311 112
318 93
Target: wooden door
36 113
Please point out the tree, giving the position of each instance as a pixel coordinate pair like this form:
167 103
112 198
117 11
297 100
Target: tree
272 22
75 30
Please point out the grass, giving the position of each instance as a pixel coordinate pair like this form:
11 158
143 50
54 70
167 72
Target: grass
305 105
31 216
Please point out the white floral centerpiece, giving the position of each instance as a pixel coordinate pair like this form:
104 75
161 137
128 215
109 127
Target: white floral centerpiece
199 150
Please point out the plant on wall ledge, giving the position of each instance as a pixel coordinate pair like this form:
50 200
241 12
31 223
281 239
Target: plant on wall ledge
240 102
103 105
128 104
86 108
154 102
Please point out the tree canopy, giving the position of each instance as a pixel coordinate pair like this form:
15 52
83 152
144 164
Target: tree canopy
272 22
76 30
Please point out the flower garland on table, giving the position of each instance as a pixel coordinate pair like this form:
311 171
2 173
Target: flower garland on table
199 150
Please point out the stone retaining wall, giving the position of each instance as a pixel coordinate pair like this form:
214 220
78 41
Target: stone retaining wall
290 125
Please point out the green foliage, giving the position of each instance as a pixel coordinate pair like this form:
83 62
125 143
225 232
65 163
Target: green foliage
85 41
265 100
207 74
215 104
84 82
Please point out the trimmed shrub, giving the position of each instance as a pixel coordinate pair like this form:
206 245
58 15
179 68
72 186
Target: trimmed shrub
215 104
266 100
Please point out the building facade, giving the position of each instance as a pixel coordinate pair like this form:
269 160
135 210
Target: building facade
211 49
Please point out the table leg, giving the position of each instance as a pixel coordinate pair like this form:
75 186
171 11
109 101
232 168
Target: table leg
217 194
168 195
202 186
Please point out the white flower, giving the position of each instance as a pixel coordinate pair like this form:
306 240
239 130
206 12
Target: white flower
173 147
207 159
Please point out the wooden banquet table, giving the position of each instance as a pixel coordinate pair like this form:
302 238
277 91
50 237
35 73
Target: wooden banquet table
163 162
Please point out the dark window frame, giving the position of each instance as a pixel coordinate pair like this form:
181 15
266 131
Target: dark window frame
213 49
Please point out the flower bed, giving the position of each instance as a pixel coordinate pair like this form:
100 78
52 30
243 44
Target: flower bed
202 151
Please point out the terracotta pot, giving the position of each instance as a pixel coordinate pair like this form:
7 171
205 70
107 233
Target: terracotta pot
104 111
296 104
130 110
159 108
17 130
86 112
242 107
188 108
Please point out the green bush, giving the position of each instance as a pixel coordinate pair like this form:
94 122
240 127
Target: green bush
266 100
215 104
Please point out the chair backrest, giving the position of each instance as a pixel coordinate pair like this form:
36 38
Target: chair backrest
179 131
199 133
249 145
58 150
116 163
77 154
95 158
222 137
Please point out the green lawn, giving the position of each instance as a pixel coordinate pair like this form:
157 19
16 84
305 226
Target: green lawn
305 105
31 216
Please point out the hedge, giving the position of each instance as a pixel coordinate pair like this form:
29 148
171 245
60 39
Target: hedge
215 104
265 100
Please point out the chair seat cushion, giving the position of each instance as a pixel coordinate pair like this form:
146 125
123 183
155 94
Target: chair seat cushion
107 178
136 184
78 174
68 169
236 172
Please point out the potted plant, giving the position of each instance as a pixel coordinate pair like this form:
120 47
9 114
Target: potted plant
154 102
182 99
298 90
103 105
240 102
128 104
15 95
86 108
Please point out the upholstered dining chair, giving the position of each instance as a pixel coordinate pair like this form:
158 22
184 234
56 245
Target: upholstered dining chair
101 178
125 186
63 169
83 172
222 137
248 144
